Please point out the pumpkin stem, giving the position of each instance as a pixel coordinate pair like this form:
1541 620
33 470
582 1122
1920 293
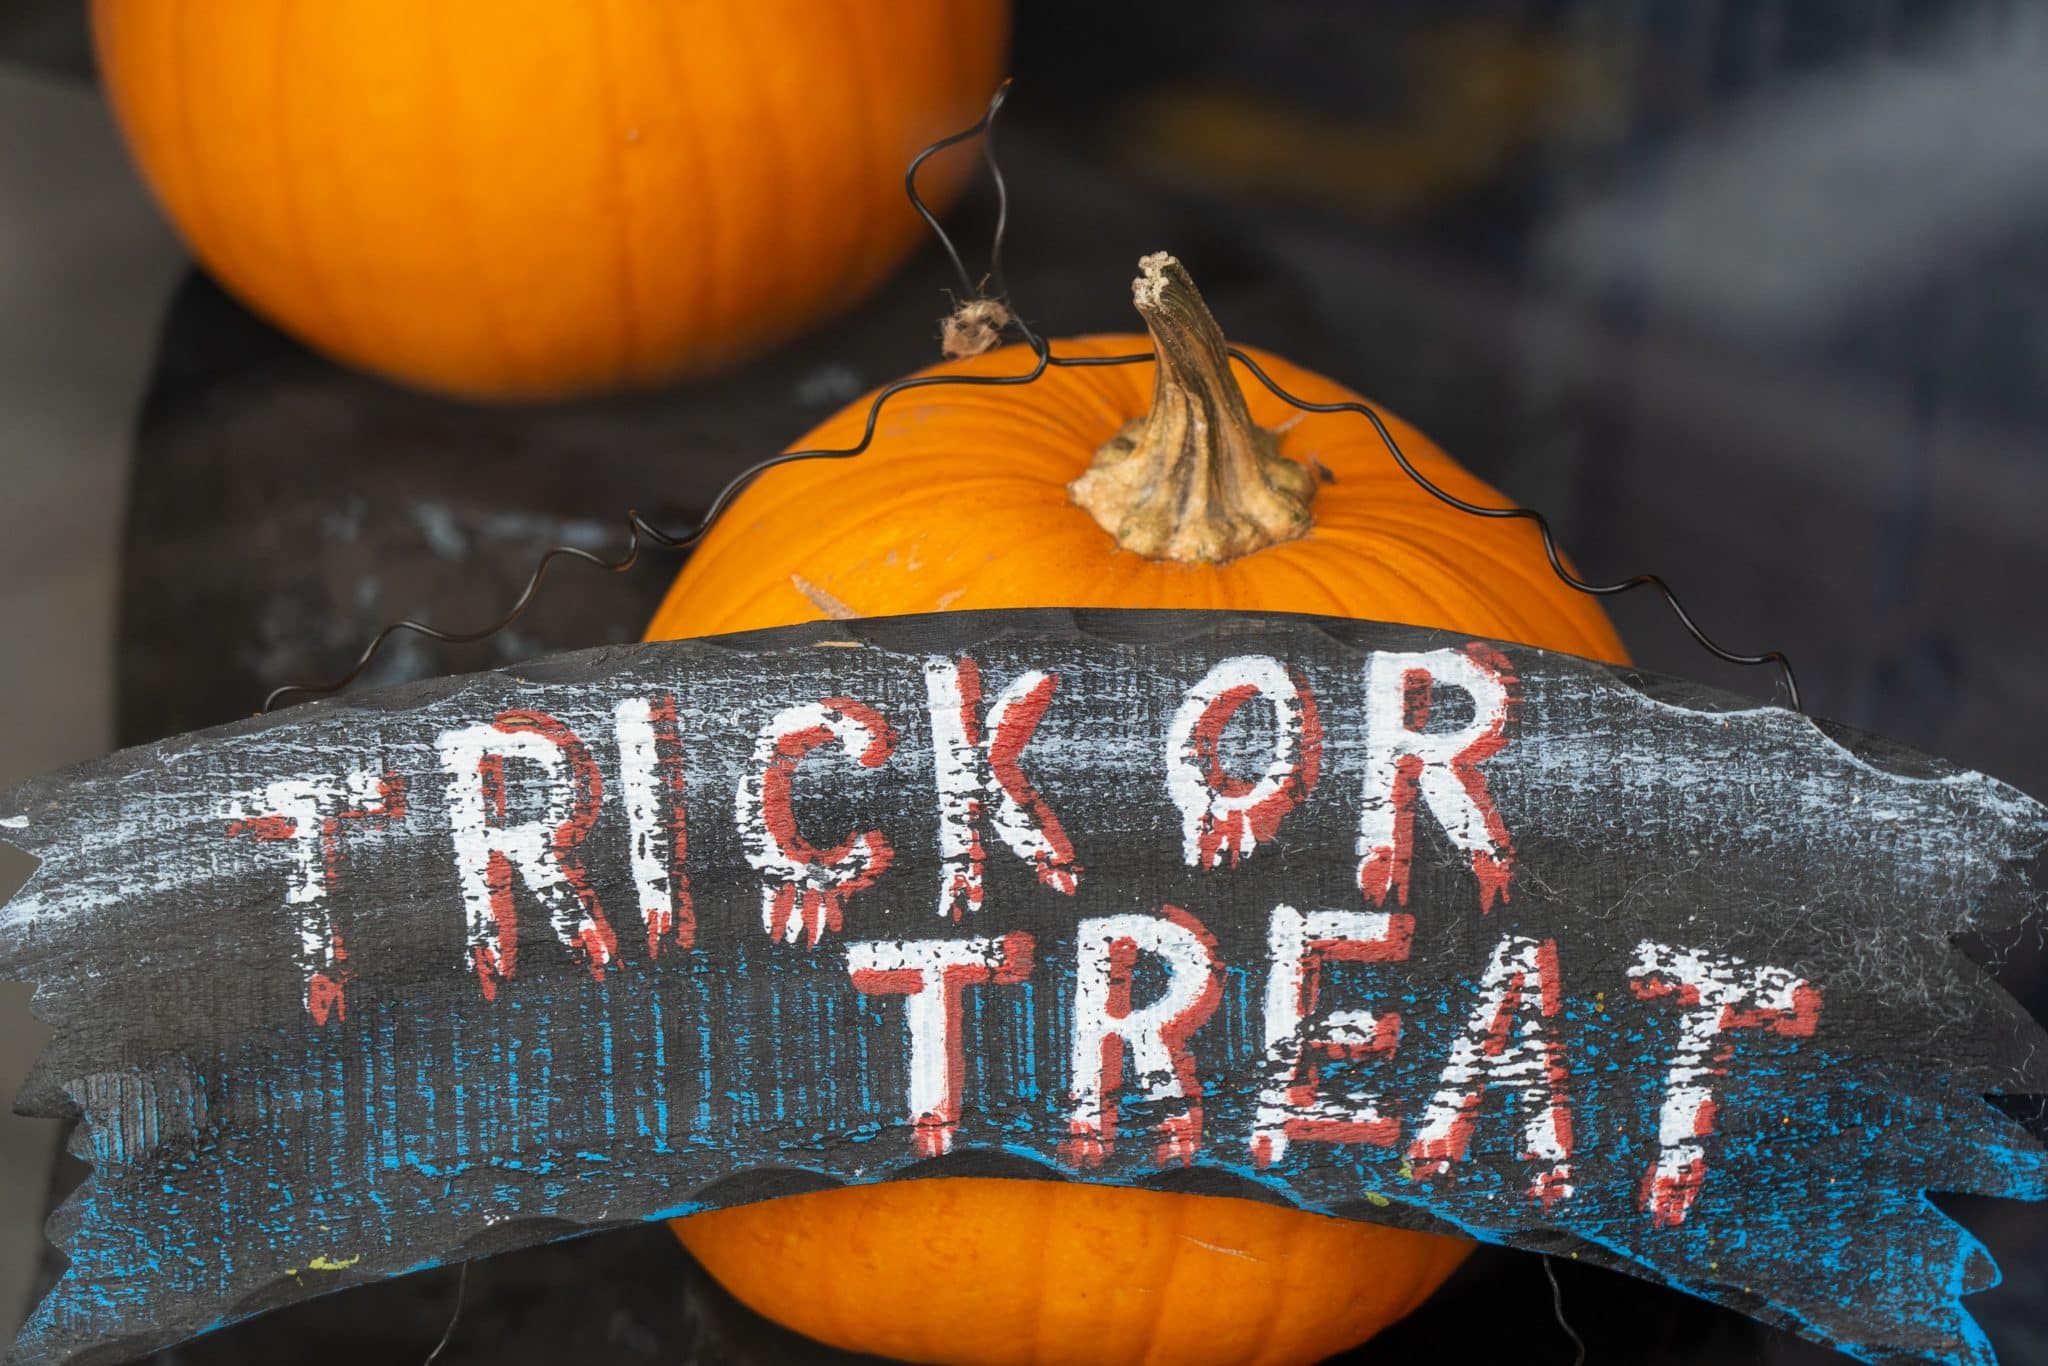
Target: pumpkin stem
1195 479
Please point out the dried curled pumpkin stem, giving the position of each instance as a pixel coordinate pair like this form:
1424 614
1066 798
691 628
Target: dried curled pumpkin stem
1195 479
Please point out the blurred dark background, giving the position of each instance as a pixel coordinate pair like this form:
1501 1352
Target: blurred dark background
1752 293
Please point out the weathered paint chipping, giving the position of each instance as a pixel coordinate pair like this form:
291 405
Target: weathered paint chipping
434 1110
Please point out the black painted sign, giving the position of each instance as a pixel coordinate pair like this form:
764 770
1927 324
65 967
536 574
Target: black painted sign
1376 921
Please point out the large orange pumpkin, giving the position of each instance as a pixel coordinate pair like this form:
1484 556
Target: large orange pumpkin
1152 486
521 198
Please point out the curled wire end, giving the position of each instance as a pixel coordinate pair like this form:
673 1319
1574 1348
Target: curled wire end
973 328
979 128
454 1317
1557 1312
638 531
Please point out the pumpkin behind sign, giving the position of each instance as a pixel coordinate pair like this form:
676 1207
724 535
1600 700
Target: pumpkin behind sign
1118 486
1089 488
525 198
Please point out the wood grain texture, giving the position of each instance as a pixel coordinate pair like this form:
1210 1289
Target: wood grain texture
1653 838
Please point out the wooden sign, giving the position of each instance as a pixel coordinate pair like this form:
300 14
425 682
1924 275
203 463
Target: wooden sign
1376 921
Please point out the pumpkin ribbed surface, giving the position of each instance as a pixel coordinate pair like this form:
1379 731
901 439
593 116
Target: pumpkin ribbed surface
521 198
962 503
998 1273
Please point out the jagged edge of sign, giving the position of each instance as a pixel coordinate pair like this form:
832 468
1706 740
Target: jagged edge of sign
2012 898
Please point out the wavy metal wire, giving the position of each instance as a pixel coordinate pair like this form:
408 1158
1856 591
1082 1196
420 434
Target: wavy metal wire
642 533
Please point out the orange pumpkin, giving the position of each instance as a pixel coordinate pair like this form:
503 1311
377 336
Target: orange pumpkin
1135 486
525 198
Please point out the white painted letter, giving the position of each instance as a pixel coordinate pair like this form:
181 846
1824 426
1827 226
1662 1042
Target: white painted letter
1222 815
491 851
982 776
1719 994
1157 1034
658 841
1404 759
931 975
1507 1044
807 886
1291 1105
306 815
